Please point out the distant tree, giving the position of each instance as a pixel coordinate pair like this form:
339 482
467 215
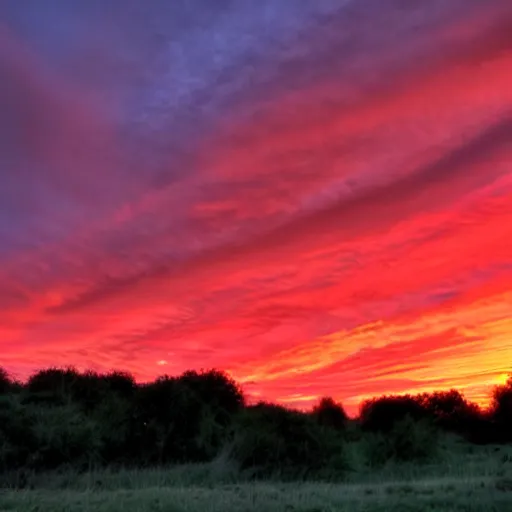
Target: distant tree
64 385
121 383
215 388
114 424
501 409
64 435
166 422
185 418
330 414
86 389
5 381
52 385
271 440
452 411
16 437
381 414
408 440
442 403
52 379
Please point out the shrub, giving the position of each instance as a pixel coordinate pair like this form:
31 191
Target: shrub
328 413
186 418
113 419
122 384
501 410
270 439
55 380
86 389
216 389
63 435
408 440
381 414
16 437
51 386
167 423
5 381
451 411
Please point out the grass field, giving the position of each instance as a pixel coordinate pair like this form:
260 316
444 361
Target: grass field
441 495
473 479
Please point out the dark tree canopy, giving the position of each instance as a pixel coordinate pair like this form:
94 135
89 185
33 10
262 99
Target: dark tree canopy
381 414
330 414
5 381
53 380
501 409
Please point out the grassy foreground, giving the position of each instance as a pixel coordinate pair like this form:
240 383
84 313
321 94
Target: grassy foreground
443 495
475 480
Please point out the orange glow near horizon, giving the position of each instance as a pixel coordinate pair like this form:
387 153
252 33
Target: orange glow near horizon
326 216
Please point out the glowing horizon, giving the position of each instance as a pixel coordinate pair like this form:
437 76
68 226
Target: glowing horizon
314 197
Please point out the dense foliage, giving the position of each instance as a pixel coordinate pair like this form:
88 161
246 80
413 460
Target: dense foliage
62 417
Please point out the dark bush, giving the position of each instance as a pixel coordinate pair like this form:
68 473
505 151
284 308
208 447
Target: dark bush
163 412
85 389
5 382
381 414
442 404
409 440
63 435
17 441
52 384
329 413
114 426
90 389
501 410
270 439
184 419
215 388
452 412
122 384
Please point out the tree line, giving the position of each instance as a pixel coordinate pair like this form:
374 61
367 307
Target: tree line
61 417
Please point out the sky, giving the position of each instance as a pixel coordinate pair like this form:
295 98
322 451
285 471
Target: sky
314 196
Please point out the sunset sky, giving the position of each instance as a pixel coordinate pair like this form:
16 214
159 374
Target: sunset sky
313 195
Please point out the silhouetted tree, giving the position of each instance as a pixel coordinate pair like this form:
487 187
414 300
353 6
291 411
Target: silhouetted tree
407 440
17 440
53 384
121 383
215 388
442 404
64 434
86 389
174 421
273 439
501 409
381 414
184 418
451 411
330 414
5 381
